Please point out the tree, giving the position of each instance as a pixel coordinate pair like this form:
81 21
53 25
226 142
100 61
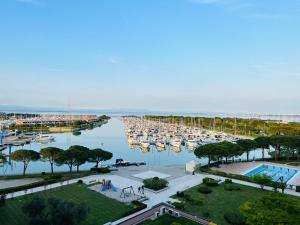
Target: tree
98 155
247 145
206 151
66 157
272 209
25 156
54 211
80 155
263 143
50 154
262 180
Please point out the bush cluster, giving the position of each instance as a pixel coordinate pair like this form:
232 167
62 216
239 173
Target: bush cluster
101 170
178 205
210 182
298 188
228 181
204 190
155 183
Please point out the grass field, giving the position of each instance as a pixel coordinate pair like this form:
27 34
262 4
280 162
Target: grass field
102 209
220 201
168 220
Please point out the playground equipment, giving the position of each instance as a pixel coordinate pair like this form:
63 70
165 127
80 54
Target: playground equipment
107 185
127 192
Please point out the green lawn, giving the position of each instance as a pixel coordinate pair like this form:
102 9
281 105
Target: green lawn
168 220
220 201
102 209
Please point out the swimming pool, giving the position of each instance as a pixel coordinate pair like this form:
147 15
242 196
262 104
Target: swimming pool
273 171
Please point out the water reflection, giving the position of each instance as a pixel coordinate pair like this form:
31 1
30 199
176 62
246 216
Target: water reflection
110 137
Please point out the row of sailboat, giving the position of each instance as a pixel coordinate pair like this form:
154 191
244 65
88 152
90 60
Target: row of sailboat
144 133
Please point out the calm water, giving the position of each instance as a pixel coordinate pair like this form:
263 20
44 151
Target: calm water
110 137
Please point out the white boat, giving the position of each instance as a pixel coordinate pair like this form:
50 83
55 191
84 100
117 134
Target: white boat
44 138
144 144
160 144
191 144
175 143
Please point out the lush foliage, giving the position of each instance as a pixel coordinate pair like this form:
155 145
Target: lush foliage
262 180
50 154
210 182
25 156
204 190
102 208
155 183
234 218
54 211
272 209
248 127
98 155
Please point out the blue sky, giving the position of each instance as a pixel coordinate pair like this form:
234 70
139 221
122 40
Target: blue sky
170 55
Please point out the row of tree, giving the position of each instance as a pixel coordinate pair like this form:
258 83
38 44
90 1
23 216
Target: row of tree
240 126
284 146
74 156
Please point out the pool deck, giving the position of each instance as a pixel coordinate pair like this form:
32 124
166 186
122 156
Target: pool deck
244 167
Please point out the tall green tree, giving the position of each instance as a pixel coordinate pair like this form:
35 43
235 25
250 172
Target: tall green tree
206 151
99 155
81 155
50 154
25 156
247 145
263 143
66 157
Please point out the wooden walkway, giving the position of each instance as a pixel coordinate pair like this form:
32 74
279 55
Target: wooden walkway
147 214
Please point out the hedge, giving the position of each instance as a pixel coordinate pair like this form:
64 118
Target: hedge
298 188
101 170
234 218
210 182
28 186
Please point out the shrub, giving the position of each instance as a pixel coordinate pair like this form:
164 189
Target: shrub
228 181
180 194
175 223
298 188
204 190
234 218
27 186
101 170
137 207
178 205
2 200
43 173
206 214
231 187
79 181
155 183
210 182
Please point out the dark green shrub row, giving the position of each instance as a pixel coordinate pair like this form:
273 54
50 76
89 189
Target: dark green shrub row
204 190
234 218
210 182
228 181
100 170
180 194
138 206
28 186
298 188
155 183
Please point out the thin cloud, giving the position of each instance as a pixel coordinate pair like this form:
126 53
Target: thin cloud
31 2
113 60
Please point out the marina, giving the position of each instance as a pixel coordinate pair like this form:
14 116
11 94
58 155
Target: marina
113 137
144 133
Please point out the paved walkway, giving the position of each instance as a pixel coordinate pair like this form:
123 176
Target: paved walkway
180 183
